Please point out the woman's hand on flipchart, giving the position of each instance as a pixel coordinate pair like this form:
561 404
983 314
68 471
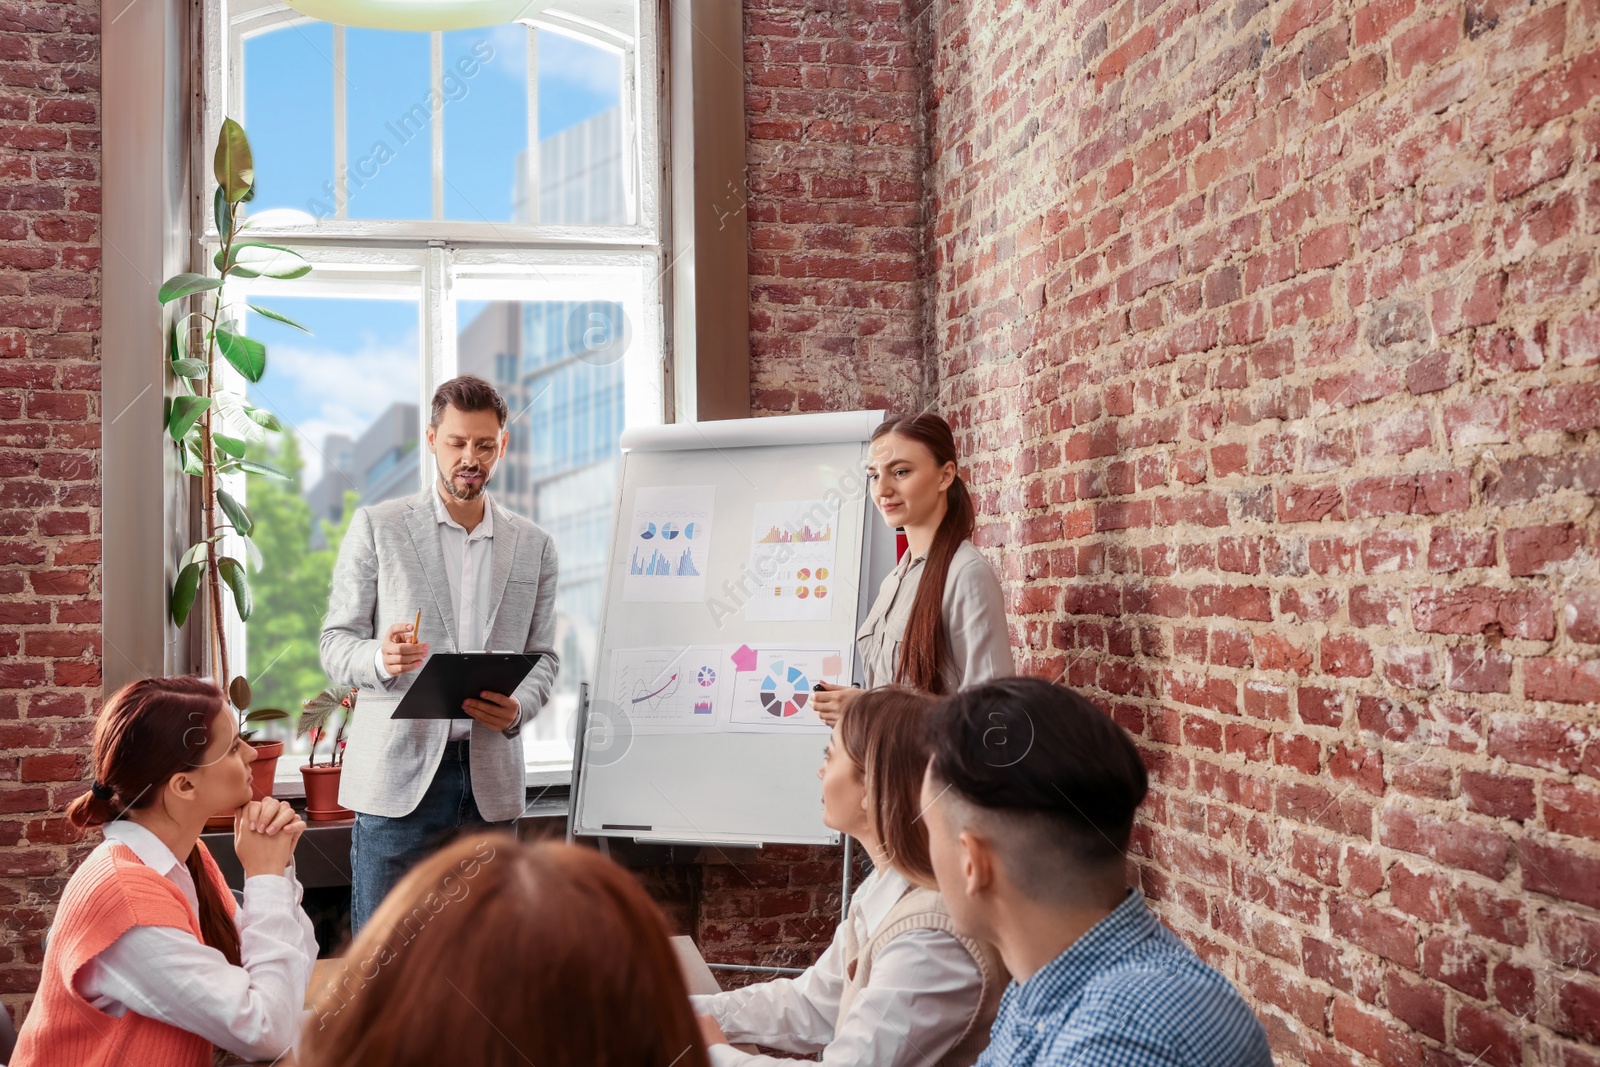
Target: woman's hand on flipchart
399 653
831 700
710 1032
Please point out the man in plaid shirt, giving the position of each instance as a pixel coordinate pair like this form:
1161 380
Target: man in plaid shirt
1029 801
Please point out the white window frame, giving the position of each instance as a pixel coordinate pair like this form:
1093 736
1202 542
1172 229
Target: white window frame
492 260
235 21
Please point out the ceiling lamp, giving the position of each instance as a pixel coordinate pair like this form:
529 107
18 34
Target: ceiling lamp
420 14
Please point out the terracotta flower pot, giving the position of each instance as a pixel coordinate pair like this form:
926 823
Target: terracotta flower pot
265 766
322 794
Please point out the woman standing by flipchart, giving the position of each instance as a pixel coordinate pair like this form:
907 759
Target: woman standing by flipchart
939 623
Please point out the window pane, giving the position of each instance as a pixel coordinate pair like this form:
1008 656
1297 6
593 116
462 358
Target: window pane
580 179
389 136
288 77
485 75
347 396
561 366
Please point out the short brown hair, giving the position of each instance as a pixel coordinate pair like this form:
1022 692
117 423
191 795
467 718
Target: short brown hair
884 732
468 392
499 954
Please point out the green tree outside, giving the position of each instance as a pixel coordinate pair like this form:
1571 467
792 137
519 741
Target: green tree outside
291 589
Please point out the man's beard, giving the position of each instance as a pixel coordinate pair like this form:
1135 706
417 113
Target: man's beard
463 492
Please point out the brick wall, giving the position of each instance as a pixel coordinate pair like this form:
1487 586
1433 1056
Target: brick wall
1270 332
49 455
834 128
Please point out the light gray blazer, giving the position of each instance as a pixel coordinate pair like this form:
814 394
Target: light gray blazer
391 564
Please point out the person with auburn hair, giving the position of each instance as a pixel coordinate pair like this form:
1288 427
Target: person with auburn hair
939 623
492 953
149 962
1029 800
898 986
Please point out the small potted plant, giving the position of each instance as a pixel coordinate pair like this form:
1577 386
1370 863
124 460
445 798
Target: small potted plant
322 780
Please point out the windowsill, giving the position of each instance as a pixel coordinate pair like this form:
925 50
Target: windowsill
288 782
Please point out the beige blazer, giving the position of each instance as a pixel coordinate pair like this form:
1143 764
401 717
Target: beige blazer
390 565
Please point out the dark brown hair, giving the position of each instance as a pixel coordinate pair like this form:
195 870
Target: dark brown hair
147 732
467 392
885 732
1032 750
492 953
925 649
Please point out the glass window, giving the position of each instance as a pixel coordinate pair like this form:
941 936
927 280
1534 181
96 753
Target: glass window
362 124
437 182
347 396
387 87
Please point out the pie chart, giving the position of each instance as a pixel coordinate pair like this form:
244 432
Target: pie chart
784 691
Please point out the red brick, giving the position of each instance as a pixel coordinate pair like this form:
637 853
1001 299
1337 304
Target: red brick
1454 844
1453 549
1568 408
1488 1038
1420 1005
1581 616
1547 743
1559 872
1570 809
1562 680
54 767
1423 895
1372 1036
1478 669
1503 796
1537 549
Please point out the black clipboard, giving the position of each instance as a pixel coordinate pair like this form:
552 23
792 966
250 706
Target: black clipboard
448 678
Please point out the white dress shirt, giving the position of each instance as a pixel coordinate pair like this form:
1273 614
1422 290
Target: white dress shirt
254 1011
922 991
467 564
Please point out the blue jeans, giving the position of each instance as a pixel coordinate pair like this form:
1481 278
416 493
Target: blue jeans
382 850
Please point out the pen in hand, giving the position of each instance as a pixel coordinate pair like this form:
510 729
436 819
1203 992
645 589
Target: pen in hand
416 627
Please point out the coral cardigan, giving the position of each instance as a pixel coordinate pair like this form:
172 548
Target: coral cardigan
111 893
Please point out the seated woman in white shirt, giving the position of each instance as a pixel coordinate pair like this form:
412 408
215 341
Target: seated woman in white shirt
149 962
898 986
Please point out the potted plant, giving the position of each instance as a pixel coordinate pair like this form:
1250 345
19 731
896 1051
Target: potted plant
212 427
322 780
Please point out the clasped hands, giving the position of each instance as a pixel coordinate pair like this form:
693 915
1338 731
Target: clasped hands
265 832
497 711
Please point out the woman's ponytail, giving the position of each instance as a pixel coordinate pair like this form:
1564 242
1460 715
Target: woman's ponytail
925 647
217 928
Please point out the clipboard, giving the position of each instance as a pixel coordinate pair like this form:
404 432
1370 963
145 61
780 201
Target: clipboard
448 678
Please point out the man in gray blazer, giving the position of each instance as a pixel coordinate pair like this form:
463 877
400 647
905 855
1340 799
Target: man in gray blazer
484 579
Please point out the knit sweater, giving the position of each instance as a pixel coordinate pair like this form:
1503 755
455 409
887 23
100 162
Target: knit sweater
924 909
111 893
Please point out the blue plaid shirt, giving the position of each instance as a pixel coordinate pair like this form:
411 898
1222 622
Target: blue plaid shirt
1127 993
